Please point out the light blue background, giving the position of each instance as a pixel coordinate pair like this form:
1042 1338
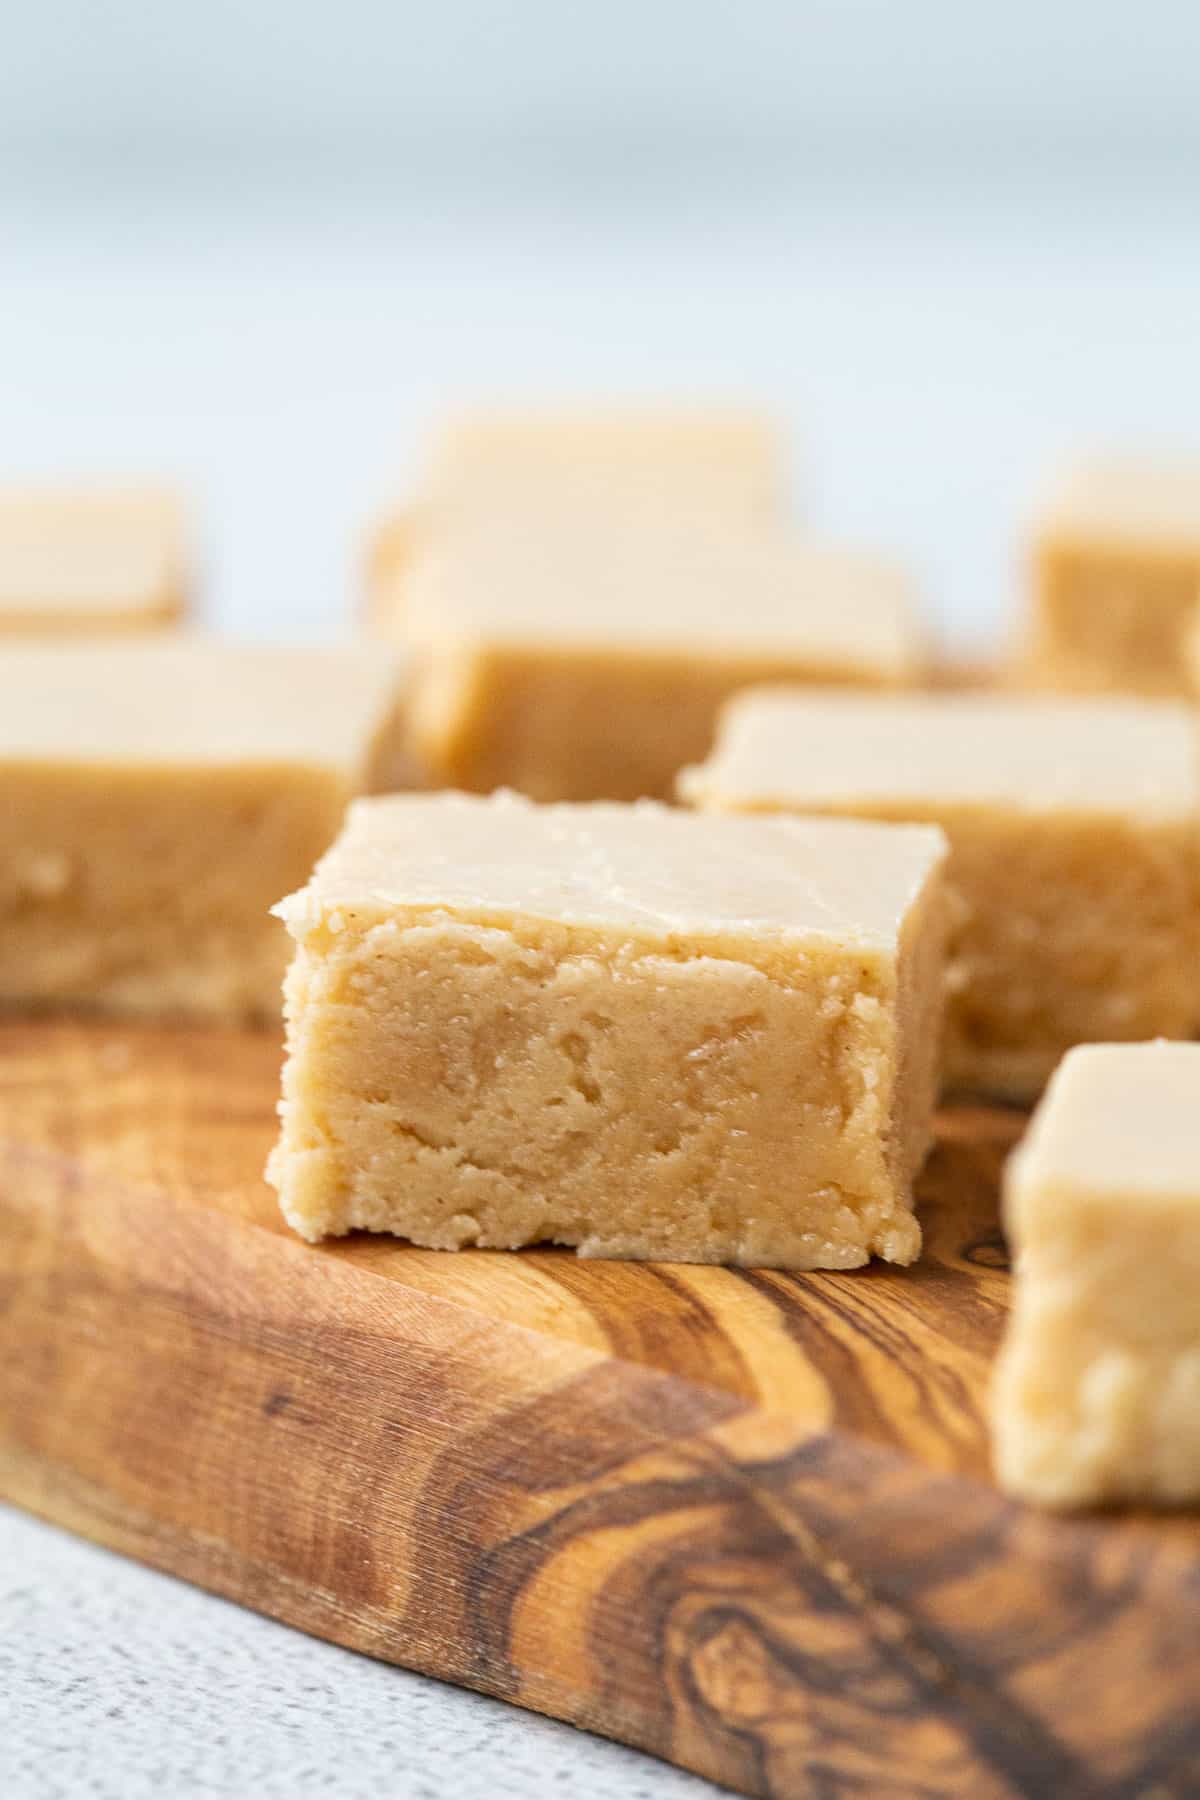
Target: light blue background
261 246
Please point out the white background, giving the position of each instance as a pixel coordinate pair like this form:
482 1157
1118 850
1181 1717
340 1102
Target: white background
138 71
262 246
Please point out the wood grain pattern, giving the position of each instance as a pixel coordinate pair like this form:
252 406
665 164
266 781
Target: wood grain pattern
741 1520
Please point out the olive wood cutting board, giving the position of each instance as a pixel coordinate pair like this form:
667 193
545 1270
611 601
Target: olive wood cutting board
742 1520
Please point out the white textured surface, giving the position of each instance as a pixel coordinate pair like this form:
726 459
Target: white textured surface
120 1684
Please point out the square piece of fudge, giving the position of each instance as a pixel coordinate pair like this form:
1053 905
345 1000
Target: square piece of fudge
159 796
585 663
1097 1390
90 560
1116 575
713 455
1073 831
630 1029
1192 652
610 460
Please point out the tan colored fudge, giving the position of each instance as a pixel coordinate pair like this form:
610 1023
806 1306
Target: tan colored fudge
1116 576
614 461
1192 652
159 796
721 455
588 664
1073 830
629 1029
1097 1389
90 560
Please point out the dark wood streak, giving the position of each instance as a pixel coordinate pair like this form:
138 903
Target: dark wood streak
649 1316
987 1251
773 1520
1172 1774
866 1392
800 1312
585 1432
903 1648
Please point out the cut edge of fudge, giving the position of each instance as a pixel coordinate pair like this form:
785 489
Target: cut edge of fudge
1114 558
521 679
144 842
1096 1391
388 1155
1145 505
1047 892
1192 650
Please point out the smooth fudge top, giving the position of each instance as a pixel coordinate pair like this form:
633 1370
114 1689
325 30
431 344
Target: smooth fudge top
89 552
184 701
1135 502
796 748
610 454
646 872
1118 1120
703 589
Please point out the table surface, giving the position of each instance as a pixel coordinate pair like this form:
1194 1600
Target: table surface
117 1683
285 368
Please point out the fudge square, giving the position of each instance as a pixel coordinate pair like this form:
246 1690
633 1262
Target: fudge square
1116 568
1097 1390
90 560
581 662
725 456
1192 652
159 796
615 459
630 1029
1073 830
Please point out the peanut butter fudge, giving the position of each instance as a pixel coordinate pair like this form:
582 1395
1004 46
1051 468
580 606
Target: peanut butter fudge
1116 578
1073 830
608 460
1192 652
1097 1390
723 456
159 797
630 1029
90 561
588 664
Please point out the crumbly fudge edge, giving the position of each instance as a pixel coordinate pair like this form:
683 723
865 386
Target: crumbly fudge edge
316 1193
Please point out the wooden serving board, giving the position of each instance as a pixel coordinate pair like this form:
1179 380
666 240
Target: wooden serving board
741 1520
